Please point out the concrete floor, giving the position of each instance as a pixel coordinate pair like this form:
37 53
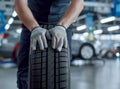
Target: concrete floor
83 77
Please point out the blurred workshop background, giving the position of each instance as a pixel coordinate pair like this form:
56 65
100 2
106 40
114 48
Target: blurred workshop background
95 44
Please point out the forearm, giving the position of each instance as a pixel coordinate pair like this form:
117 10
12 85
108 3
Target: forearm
25 14
71 13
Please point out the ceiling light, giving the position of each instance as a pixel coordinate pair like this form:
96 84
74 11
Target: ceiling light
81 27
7 26
109 19
98 31
14 14
10 21
113 28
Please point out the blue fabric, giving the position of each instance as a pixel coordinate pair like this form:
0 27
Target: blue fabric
57 9
23 59
49 11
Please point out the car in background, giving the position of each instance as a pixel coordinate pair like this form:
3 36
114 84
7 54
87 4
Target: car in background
83 48
9 44
98 48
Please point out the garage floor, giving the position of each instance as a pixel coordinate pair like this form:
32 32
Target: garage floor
97 76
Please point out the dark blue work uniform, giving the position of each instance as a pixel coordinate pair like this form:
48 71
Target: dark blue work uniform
45 12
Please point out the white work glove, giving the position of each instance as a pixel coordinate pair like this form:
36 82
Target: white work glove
59 37
38 35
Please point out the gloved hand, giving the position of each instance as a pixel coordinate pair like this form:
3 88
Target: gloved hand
59 37
38 35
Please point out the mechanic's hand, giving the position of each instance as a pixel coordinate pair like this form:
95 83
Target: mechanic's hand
38 35
59 37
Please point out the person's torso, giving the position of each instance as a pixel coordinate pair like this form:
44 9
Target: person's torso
48 10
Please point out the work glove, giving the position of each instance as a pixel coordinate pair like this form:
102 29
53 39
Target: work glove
59 37
38 35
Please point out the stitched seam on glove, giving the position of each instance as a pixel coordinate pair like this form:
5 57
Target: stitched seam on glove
35 28
61 26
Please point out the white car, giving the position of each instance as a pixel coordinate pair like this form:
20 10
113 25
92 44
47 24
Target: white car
84 49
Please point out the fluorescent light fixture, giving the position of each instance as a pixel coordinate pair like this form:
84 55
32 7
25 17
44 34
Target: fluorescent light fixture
7 26
109 19
14 14
10 21
81 27
113 28
98 31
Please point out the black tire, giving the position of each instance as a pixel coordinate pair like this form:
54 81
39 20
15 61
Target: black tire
90 46
49 69
110 54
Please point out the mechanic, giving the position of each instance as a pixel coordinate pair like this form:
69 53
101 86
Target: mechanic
35 14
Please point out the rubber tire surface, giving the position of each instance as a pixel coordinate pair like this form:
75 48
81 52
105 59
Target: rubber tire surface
49 69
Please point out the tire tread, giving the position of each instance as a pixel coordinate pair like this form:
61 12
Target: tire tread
49 69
